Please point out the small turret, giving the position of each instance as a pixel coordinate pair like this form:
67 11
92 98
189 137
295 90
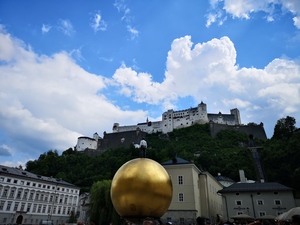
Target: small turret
116 127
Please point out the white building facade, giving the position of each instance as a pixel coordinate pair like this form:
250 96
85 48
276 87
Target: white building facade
27 198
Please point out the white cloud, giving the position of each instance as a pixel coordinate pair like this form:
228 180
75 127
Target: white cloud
5 150
66 27
52 100
244 8
46 28
47 102
134 32
98 23
208 71
122 7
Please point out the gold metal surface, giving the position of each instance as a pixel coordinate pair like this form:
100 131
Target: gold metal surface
141 188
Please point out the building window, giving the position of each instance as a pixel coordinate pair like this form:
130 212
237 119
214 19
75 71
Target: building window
277 202
34 208
15 181
19 194
260 202
16 206
8 180
238 202
49 209
25 195
39 208
180 179
8 206
12 193
2 205
181 220
22 206
5 192
262 213
180 197
28 207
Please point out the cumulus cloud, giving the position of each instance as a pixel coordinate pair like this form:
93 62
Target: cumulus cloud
47 102
98 24
209 71
244 8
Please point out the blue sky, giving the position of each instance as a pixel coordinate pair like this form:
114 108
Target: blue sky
73 68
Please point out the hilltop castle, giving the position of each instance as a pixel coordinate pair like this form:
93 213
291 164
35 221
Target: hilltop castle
126 135
184 118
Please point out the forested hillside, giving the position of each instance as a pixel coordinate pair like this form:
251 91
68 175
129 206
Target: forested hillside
225 154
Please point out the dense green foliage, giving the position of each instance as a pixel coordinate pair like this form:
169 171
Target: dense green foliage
226 154
101 208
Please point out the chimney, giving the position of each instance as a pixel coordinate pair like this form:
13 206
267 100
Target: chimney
242 176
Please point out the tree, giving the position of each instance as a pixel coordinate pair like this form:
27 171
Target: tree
101 205
284 128
73 217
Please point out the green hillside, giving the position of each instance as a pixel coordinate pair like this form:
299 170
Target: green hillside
225 154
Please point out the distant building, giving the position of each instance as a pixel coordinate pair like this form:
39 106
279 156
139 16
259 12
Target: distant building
256 199
124 136
194 193
27 198
225 181
183 118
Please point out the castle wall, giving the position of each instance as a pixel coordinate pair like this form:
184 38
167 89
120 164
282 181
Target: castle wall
86 142
257 131
120 139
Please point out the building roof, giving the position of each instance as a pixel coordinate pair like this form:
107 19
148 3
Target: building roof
5 170
254 187
176 160
223 178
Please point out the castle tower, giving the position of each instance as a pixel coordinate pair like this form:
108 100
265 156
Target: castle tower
237 116
167 121
116 127
96 136
202 110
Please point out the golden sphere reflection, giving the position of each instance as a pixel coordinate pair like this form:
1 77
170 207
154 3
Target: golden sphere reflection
141 188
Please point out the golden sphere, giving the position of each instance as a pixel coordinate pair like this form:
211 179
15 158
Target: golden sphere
141 188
